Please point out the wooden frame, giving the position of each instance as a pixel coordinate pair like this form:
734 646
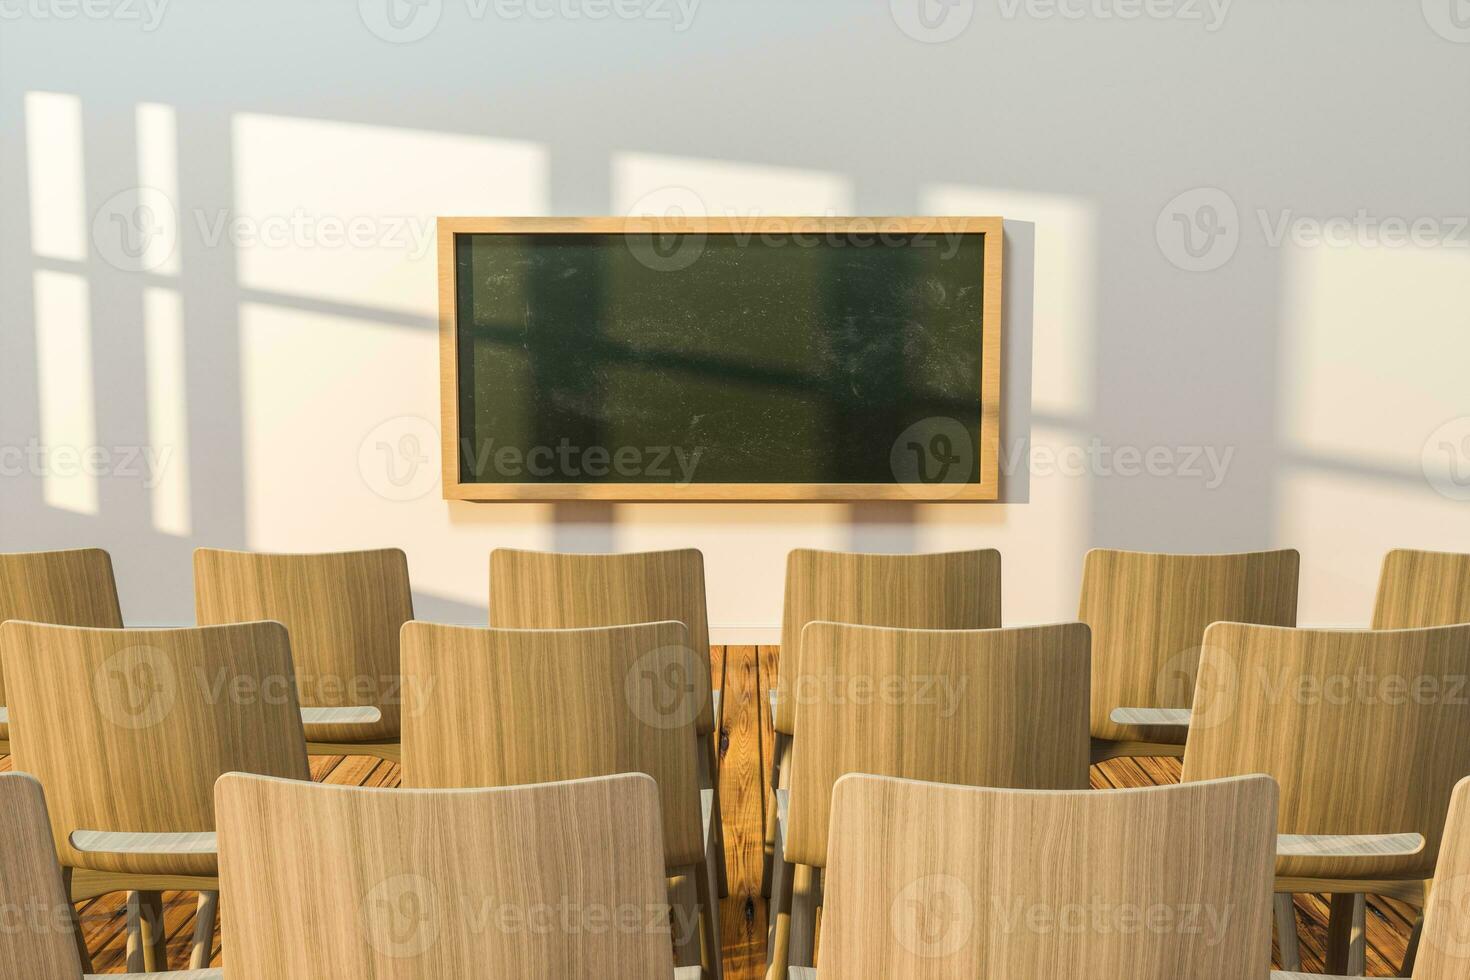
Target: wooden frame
987 489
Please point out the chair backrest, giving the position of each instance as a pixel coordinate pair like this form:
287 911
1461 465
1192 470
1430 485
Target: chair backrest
552 590
70 588
1422 588
561 880
37 941
343 612
1444 953
1002 707
129 729
1366 731
958 590
935 882
502 707
1148 614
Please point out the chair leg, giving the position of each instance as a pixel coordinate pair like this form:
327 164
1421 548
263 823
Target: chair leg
78 936
135 934
1358 940
203 947
711 957
805 897
684 917
1346 939
778 933
779 751
153 937
1411 955
722 874
1286 934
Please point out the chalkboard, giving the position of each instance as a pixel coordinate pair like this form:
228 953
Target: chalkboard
766 359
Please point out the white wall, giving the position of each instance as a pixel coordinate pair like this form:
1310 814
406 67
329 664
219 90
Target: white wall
284 383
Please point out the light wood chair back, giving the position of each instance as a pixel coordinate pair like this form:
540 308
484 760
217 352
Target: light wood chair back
1444 953
504 707
1003 707
556 882
552 590
1367 733
128 729
37 943
1422 588
343 612
1148 614
934 882
957 590
69 588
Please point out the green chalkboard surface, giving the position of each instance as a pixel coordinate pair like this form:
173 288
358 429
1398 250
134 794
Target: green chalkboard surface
721 360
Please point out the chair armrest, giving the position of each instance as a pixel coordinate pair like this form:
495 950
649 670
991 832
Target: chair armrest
1155 717
364 715
1348 845
122 842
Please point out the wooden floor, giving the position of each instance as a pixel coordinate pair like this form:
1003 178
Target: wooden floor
746 743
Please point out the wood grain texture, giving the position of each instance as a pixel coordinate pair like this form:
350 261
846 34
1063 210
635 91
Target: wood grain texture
37 942
1389 920
1151 884
1367 733
1444 953
1004 708
343 612
69 588
128 729
552 590
502 707
1148 614
556 881
990 359
1422 588
957 590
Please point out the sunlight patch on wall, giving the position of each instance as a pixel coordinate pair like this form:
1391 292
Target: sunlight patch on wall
341 438
54 173
158 168
1344 525
1065 301
65 383
168 410
1375 345
345 213
668 186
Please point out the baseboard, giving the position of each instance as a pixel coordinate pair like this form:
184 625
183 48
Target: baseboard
733 635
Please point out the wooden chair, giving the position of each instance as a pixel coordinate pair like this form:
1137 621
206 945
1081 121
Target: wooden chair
1148 614
934 882
957 590
1367 733
561 881
343 612
127 730
1003 707
1422 588
42 939
553 590
1445 951
503 707
69 588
